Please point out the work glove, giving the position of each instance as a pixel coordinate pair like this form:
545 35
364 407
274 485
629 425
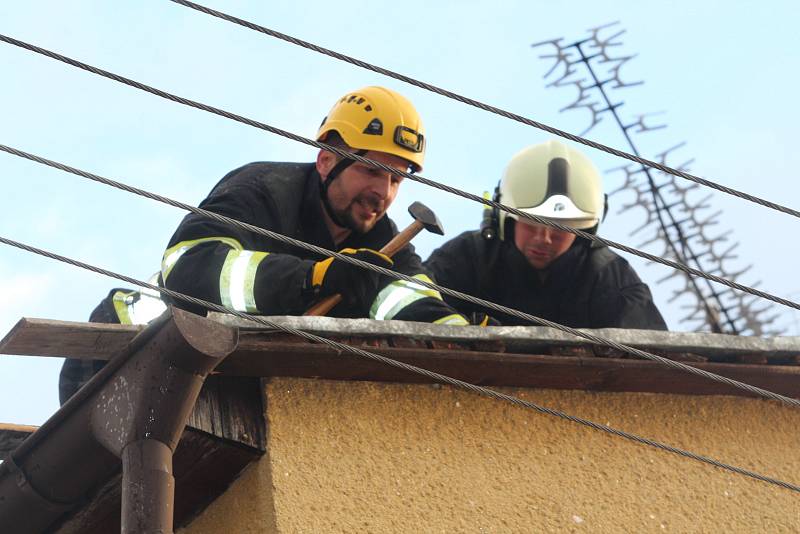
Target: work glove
357 286
483 319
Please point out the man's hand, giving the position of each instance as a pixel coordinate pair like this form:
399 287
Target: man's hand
357 286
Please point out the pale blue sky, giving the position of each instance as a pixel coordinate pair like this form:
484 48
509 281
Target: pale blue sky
723 73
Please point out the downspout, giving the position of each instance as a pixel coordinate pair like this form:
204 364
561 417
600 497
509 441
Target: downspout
148 487
134 410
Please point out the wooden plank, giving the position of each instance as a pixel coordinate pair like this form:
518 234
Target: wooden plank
63 338
533 339
13 427
44 337
12 435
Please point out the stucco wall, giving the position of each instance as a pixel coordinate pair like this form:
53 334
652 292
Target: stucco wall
369 457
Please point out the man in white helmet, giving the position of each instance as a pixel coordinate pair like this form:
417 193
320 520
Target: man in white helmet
537 269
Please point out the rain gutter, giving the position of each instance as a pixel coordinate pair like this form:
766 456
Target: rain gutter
131 413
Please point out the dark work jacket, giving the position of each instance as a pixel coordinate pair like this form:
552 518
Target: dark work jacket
587 287
76 372
285 198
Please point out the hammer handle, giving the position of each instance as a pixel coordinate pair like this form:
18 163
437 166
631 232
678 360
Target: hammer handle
402 239
389 249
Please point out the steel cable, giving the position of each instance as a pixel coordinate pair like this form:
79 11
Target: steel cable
400 276
486 107
343 153
486 392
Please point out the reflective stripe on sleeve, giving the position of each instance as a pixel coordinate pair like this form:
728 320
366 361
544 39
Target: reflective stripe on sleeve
455 319
123 302
174 253
237 279
137 307
399 294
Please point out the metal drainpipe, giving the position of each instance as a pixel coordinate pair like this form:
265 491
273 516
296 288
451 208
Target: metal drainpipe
135 410
139 415
148 488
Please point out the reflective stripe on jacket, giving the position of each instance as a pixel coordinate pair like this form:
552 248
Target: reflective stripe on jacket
252 273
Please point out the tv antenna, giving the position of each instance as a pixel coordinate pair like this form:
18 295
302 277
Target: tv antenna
677 219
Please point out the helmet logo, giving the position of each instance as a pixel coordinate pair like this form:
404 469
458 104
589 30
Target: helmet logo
559 207
375 127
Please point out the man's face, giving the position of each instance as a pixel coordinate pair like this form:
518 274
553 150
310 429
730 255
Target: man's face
361 194
541 244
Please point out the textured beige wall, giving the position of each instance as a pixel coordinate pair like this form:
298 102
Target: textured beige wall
367 457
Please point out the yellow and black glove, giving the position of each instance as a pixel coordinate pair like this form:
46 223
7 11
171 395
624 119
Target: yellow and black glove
357 286
483 319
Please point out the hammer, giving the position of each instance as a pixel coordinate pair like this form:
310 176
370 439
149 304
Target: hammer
423 217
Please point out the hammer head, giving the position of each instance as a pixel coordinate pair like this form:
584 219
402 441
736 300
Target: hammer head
423 214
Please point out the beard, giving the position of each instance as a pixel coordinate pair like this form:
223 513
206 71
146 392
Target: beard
349 215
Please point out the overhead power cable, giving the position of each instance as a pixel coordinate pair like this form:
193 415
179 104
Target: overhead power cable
343 153
400 276
486 392
486 107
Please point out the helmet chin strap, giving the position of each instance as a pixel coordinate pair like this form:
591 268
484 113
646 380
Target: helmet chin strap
337 169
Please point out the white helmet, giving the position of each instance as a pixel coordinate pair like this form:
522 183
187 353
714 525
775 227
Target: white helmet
553 181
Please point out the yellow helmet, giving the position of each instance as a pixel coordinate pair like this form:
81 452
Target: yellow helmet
376 118
553 181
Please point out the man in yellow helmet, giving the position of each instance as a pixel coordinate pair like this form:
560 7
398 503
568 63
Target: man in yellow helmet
540 270
335 203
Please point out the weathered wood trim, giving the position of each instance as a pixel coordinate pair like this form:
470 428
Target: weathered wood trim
531 339
45 337
257 357
232 408
12 435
